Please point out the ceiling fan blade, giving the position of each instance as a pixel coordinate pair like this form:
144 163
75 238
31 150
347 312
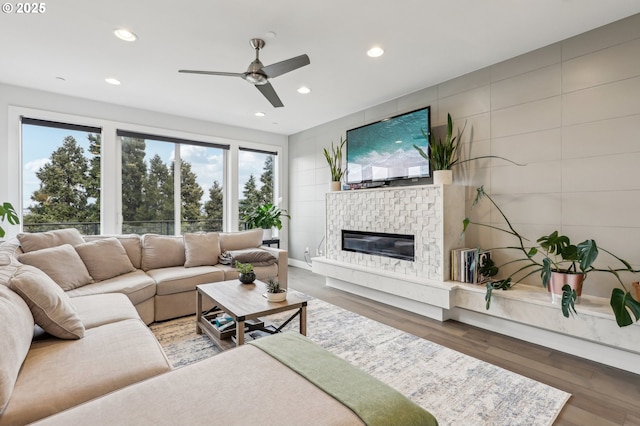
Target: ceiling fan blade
283 67
231 74
271 95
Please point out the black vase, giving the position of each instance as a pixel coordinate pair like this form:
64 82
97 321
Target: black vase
247 278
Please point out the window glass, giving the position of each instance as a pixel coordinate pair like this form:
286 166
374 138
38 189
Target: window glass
149 185
60 177
255 178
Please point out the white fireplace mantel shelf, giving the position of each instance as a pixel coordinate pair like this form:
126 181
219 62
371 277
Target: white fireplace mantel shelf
525 312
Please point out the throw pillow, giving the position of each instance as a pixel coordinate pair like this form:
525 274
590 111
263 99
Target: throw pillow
256 257
201 249
16 329
50 306
62 264
162 251
105 258
43 240
240 240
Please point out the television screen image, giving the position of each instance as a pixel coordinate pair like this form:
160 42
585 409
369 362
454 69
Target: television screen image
383 151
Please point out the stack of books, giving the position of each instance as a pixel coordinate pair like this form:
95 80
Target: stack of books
466 264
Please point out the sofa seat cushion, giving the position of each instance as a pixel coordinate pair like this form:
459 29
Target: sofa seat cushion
263 273
137 286
179 279
16 329
98 309
209 389
59 374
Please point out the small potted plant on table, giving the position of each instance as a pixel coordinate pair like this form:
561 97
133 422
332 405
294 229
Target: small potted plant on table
274 292
246 275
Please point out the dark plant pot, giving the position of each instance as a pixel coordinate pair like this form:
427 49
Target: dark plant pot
247 278
559 279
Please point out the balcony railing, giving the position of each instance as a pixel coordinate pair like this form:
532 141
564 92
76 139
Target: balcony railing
162 227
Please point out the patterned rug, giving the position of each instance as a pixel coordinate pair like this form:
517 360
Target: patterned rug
457 389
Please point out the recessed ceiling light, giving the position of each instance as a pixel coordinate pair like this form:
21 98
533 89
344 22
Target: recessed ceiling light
304 90
270 34
113 81
259 114
125 35
375 52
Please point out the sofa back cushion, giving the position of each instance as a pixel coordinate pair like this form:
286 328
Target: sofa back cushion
16 329
240 240
105 258
201 249
162 251
50 306
43 240
62 264
132 244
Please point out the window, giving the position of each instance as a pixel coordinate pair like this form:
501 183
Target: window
61 169
154 187
256 175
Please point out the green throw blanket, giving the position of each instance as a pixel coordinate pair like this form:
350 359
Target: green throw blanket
373 401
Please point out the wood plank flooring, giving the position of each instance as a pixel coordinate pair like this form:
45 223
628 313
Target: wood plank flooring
601 395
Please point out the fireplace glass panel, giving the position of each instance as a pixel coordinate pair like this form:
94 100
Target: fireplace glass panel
397 246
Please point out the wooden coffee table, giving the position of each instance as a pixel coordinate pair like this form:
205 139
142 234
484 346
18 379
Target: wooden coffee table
245 303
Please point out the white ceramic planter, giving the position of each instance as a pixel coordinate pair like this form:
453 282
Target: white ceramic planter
277 297
267 234
335 185
442 177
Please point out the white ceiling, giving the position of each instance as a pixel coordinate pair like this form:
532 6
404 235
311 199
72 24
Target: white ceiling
425 41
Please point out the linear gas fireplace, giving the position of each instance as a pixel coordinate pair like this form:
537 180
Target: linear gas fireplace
397 246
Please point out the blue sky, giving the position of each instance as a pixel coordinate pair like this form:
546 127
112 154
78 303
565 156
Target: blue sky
39 142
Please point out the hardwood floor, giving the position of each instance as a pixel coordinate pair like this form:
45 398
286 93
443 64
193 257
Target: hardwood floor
601 395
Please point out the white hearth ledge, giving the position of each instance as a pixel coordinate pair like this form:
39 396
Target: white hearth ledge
525 312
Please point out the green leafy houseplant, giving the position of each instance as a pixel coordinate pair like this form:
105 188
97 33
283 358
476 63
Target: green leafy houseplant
334 158
9 213
246 275
443 155
266 216
556 253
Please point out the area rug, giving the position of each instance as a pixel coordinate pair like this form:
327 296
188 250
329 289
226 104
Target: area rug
457 389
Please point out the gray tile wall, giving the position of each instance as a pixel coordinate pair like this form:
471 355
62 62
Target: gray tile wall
570 111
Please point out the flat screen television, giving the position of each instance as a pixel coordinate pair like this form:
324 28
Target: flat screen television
383 151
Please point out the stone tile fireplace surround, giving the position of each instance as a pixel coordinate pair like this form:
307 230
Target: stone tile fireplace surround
433 214
418 211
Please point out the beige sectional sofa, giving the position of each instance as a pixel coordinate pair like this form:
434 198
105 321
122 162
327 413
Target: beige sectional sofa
75 351
157 273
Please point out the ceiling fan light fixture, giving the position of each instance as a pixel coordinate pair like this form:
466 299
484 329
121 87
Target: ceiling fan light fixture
125 35
375 52
256 78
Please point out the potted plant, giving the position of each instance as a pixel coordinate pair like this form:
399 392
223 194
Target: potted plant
560 264
246 275
334 158
443 156
8 212
267 217
274 292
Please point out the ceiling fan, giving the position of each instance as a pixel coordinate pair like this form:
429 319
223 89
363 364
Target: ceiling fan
259 75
